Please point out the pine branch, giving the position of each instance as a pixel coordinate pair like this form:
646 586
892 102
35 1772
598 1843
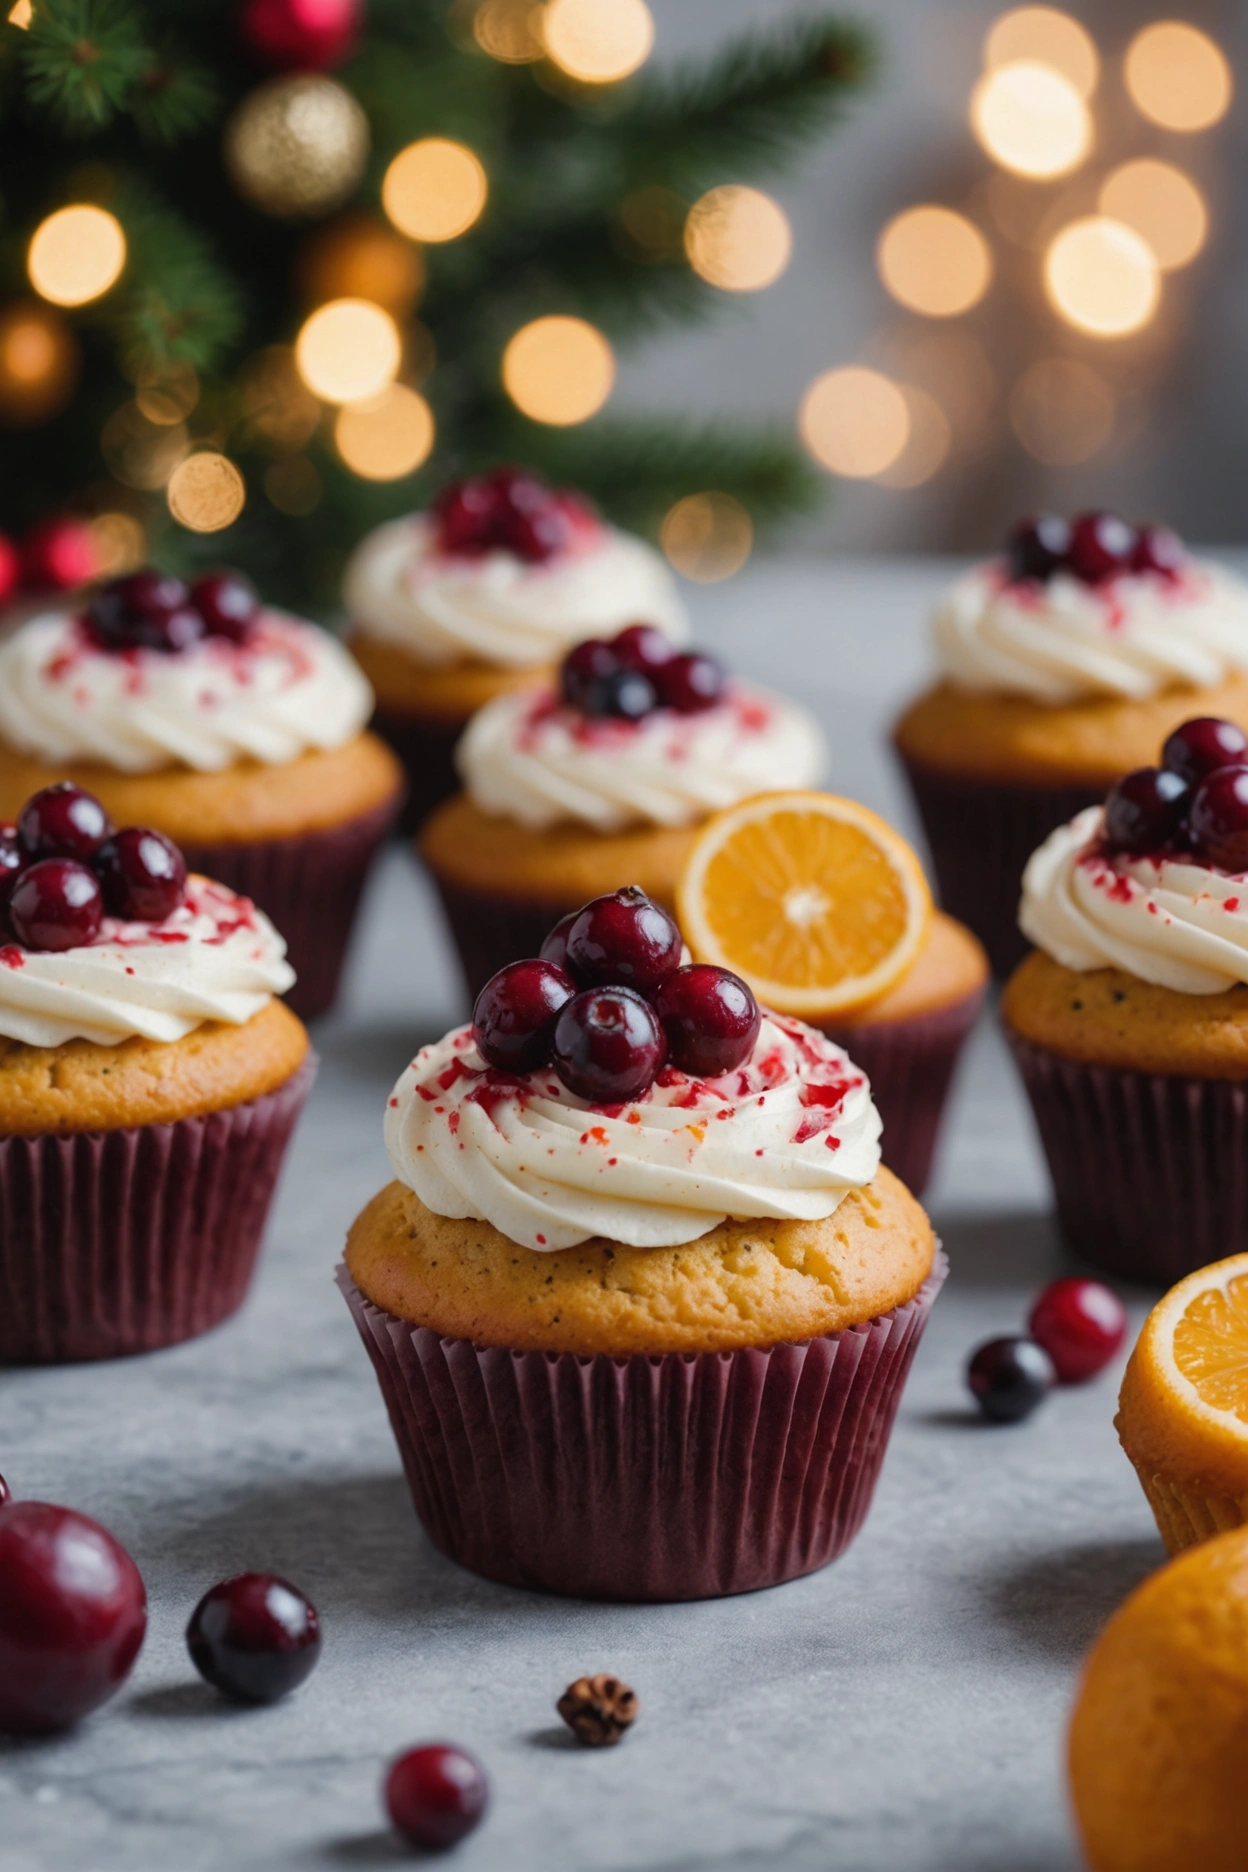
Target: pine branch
178 305
82 60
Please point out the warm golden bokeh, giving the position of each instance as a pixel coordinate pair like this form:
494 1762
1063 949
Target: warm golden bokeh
929 438
507 30
1177 76
1045 37
738 238
347 351
206 492
359 257
934 261
558 370
140 453
120 543
39 362
76 254
1102 277
854 421
21 13
387 437
1062 411
1162 204
167 396
707 536
596 41
1031 119
434 190
278 408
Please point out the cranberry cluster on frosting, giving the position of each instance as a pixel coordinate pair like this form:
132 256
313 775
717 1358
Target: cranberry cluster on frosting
64 866
1094 547
637 671
152 610
508 510
608 1004
1196 802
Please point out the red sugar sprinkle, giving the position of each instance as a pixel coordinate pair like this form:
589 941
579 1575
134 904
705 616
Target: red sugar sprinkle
12 957
833 1143
1232 903
393 1103
542 1240
452 1123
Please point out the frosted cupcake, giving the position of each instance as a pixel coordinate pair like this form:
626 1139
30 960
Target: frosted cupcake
1063 663
149 1084
571 790
235 729
641 1298
481 595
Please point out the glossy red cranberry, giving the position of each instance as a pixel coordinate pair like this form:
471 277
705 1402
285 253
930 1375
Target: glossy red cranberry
710 1018
6 1493
624 695
63 822
624 938
254 1637
690 682
514 1018
72 1617
608 1045
529 519
56 905
436 1795
228 603
1199 747
642 647
585 666
1158 549
1081 1324
464 511
142 875
555 947
1218 820
1100 545
1036 547
147 610
1008 1378
14 859
1145 810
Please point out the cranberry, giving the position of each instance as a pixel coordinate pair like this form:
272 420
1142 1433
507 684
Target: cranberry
555 947
1036 548
624 695
1158 549
710 1018
642 647
1081 1324
464 510
436 1795
1008 1378
63 822
228 603
142 874
147 610
690 683
56 905
1198 748
1100 545
585 666
1219 818
6 1493
623 938
13 861
254 1637
72 1617
514 1019
1145 809
608 1045
528 519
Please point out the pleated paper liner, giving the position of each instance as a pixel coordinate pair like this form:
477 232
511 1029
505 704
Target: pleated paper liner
675 1477
980 836
489 932
1150 1170
1186 1516
309 887
115 1242
425 746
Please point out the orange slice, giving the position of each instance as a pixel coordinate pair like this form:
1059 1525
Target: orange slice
817 902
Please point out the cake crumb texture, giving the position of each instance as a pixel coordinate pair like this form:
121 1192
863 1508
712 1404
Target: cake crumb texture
1105 1017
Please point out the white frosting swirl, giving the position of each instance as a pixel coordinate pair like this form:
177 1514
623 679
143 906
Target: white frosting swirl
523 757
789 1134
1132 636
290 688
1169 921
217 958
443 608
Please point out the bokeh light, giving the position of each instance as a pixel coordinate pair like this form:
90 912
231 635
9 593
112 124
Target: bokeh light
1044 36
141 453
278 408
854 421
206 492
120 543
738 238
708 536
597 41
167 396
357 257
929 438
506 29
434 190
39 362
387 437
1062 411
1031 119
1102 277
934 261
21 13
76 254
558 370
1177 76
348 351
1162 204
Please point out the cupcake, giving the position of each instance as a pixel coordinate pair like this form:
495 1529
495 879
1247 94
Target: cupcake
234 729
478 597
1063 663
641 1298
1130 1021
149 1084
575 788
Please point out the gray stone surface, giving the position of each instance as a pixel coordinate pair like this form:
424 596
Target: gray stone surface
902 1709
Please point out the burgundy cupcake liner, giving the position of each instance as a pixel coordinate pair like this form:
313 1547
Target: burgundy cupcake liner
685 1476
114 1242
911 1064
309 886
980 835
1150 1170
489 932
425 746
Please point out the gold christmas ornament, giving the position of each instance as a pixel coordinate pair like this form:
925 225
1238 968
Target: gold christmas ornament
297 146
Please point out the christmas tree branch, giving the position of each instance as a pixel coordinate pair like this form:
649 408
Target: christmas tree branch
178 306
88 62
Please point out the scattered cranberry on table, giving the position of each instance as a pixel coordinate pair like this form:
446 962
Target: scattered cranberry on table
73 1613
62 821
1081 1324
436 1795
142 875
1009 1378
710 1018
1145 810
514 1018
56 904
254 1637
608 1045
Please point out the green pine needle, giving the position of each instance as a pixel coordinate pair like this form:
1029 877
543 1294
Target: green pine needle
83 59
177 305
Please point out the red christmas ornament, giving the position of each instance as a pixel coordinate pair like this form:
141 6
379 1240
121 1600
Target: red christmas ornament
301 35
57 555
10 568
